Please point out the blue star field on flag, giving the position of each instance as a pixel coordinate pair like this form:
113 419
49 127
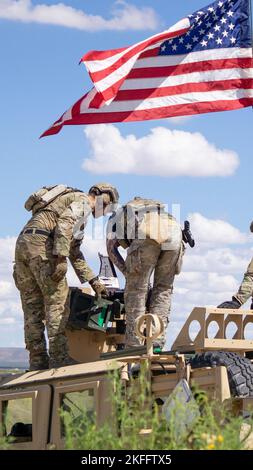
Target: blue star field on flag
223 24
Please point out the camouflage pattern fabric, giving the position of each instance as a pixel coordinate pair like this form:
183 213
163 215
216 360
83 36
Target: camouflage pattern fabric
66 218
144 257
112 246
246 288
45 300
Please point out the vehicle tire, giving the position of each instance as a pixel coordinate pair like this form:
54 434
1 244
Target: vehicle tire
239 369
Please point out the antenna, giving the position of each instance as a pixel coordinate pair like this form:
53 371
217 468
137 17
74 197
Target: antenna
106 267
107 273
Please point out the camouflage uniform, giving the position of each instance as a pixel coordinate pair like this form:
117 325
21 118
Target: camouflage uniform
44 300
145 256
246 288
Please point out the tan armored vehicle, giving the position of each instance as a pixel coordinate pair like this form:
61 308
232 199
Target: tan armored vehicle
30 403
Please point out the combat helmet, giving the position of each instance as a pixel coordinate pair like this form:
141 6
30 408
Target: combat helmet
105 188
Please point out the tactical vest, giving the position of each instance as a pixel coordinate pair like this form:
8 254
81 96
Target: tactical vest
141 219
49 198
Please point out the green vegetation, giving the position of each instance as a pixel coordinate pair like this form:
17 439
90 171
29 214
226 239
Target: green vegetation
4 445
14 411
138 423
18 410
11 371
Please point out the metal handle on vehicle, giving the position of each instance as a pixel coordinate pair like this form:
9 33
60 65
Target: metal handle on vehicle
154 328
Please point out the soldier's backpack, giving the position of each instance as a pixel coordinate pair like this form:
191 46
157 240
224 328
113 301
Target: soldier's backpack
144 218
45 195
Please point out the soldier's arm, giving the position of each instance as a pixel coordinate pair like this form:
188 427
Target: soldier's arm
63 233
246 288
112 246
81 267
69 225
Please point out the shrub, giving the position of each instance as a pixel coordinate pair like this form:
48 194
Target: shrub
138 423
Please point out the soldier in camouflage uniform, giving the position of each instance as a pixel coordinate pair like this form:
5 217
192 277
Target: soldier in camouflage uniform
53 234
154 244
245 290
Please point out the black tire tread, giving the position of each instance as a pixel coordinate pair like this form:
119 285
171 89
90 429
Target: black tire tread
239 369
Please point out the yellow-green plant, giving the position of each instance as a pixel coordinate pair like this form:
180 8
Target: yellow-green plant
138 423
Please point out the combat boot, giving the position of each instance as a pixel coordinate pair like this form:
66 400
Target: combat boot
38 361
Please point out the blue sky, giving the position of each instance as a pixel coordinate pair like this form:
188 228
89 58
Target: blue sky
40 78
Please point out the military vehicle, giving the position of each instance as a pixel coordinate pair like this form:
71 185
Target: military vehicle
30 403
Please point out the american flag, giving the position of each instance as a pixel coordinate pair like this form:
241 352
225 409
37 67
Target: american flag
202 64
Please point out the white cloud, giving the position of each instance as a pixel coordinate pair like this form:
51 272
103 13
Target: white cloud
199 289
215 231
179 120
7 249
124 16
211 274
90 248
163 152
11 315
5 289
220 260
218 282
7 321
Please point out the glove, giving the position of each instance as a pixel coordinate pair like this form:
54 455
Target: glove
98 287
234 303
59 269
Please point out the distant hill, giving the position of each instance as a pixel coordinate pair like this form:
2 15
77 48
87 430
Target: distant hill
13 358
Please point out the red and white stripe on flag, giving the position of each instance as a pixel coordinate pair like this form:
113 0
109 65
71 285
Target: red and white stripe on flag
137 84
109 69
